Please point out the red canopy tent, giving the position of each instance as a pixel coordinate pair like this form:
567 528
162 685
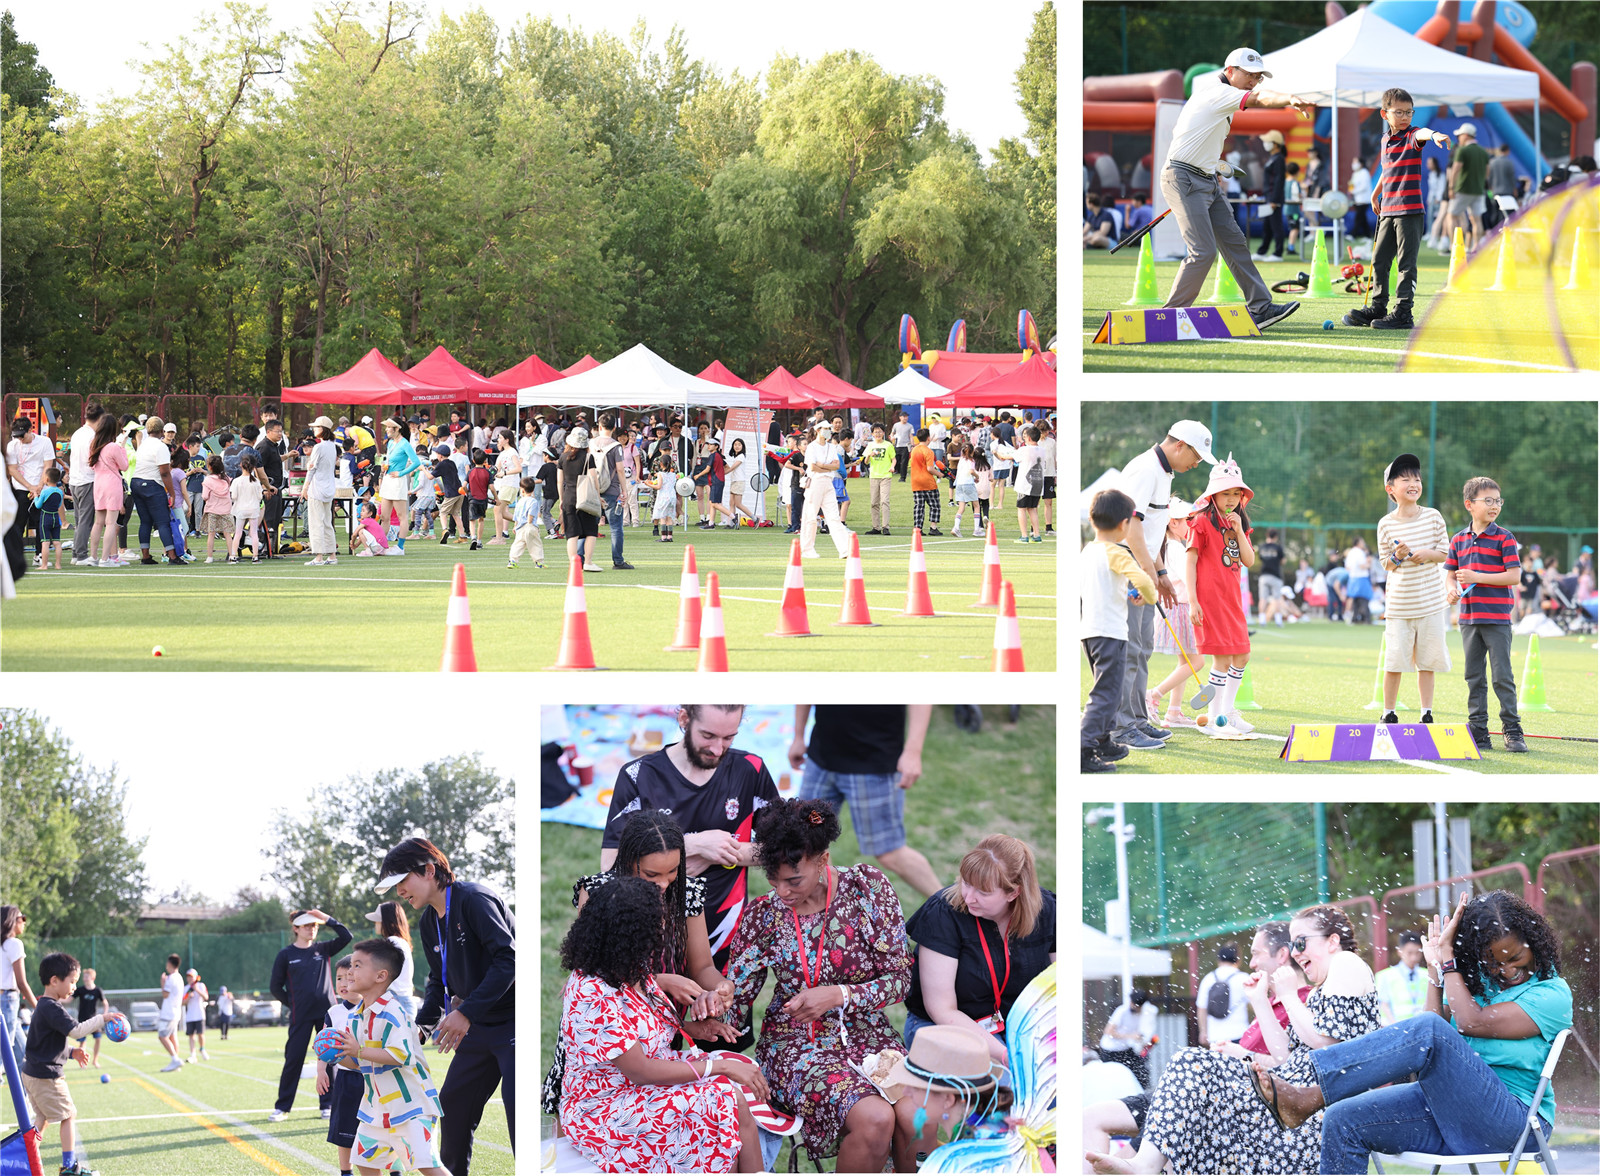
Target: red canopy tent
444 369
782 390
948 401
718 373
954 369
373 380
1027 385
530 373
583 365
831 390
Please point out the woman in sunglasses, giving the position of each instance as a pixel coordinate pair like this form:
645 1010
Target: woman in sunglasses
1205 1114
1495 964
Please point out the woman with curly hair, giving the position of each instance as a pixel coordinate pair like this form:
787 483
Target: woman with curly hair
1496 964
1205 1114
629 1102
836 941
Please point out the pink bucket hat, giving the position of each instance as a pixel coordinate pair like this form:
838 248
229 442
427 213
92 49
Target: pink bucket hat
1225 475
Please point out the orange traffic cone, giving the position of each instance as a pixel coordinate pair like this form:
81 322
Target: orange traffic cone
576 653
458 655
792 618
990 596
919 603
854 610
688 638
713 639
1007 634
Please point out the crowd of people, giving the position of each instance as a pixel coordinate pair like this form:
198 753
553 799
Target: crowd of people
1310 1063
668 954
494 482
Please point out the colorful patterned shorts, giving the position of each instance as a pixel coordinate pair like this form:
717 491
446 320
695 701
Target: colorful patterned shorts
413 1144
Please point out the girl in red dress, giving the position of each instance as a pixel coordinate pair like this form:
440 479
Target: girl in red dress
1219 546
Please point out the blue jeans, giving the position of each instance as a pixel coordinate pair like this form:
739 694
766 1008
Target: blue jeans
613 509
1455 1107
913 1024
154 513
10 1002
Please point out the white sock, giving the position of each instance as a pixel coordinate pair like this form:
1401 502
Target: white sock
1231 690
1219 686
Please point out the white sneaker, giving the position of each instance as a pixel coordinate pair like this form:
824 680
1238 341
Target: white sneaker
204 1056
277 1116
210 559
359 554
1239 723
316 563
190 1060
174 1064
80 563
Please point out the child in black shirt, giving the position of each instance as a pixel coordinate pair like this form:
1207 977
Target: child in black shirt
50 1038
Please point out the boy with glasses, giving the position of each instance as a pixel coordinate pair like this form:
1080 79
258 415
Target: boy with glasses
1481 571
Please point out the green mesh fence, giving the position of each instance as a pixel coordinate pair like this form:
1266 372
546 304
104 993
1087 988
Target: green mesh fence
1195 870
1571 901
242 961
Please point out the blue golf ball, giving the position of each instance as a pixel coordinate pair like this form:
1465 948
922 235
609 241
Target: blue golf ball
105 1077
1327 324
1222 720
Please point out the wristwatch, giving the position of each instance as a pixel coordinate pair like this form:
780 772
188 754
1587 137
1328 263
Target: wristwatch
1445 969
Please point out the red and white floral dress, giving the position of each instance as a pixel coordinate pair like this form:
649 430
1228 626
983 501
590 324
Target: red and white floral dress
623 1127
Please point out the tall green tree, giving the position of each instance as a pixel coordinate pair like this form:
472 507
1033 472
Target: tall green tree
1034 171
22 78
68 859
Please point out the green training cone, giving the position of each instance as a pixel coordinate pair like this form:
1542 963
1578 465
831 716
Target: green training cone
1377 682
1144 279
1225 291
1532 696
1321 282
1246 698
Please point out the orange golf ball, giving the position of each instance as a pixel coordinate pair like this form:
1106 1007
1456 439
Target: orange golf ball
1203 720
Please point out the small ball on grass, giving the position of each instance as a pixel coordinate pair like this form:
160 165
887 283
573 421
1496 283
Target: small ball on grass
105 1078
158 652
1327 324
1202 720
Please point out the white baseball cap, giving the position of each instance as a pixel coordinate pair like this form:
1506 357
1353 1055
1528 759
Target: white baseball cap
1466 129
1248 59
1195 434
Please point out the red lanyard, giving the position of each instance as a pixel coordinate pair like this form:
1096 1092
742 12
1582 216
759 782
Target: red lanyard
998 986
805 967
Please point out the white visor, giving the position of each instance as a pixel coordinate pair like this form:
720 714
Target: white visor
389 881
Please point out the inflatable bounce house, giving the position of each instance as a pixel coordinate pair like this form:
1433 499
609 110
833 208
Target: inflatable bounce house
1482 30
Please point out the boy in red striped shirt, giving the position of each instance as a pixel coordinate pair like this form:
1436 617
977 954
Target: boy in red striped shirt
1481 570
1402 215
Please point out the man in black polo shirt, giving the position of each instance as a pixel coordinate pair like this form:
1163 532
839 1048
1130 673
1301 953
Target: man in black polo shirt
269 451
469 1003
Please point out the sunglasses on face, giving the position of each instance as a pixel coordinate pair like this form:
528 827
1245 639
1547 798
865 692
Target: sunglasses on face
1298 944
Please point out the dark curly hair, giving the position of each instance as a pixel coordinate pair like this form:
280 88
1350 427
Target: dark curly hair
788 830
619 933
653 831
1494 916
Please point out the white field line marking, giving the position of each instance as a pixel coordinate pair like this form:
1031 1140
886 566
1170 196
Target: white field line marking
1398 354
1446 769
263 1136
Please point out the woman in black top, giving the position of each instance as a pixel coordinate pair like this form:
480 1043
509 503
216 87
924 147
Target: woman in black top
980 941
581 529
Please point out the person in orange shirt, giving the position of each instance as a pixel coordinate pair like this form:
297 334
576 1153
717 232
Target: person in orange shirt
924 484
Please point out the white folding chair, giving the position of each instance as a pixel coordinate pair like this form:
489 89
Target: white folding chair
1511 1158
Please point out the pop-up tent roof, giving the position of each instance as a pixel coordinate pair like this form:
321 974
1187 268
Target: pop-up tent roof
947 399
638 378
528 373
907 386
831 390
952 369
1026 385
782 390
373 380
444 369
717 372
1102 957
587 364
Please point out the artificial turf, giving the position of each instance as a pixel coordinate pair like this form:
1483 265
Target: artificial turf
210 1119
1320 672
389 614
1001 779
1297 344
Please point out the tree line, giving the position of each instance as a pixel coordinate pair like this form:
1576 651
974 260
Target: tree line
270 205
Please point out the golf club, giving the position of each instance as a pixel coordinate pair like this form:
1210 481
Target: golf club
1131 238
1203 697
1567 738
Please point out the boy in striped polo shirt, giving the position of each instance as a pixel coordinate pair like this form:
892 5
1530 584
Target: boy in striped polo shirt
1412 541
1482 569
398 1123
1402 215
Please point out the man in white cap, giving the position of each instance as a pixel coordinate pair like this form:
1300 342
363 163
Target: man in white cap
1465 183
1192 185
302 978
1147 479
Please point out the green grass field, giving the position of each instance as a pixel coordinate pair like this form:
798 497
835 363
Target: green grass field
210 1119
1001 780
388 614
1321 672
1298 344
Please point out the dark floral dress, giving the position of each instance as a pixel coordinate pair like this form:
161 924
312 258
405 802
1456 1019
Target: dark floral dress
1205 1118
863 945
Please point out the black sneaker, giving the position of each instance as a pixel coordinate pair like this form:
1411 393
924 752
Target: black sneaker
1514 740
1110 750
444 541
1091 764
1427 715
1276 313
1390 717
476 546
936 531
624 566
875 531
1480 737
885 531
1365 316
1399 320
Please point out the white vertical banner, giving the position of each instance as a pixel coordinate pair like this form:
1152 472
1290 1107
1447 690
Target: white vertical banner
750 424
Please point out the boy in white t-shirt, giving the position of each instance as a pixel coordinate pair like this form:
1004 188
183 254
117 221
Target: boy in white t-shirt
171 985
195 996
1108 568
1413 542
344 1084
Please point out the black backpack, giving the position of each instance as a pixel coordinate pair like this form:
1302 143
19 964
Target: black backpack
1219 999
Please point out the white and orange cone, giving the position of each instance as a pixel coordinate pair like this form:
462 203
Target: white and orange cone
919 602
458 655
990 596
1007 634
576 652
713 638
854 611
688 636
792 618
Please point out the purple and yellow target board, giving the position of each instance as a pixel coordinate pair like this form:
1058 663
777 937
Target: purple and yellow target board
1177 324
1338 742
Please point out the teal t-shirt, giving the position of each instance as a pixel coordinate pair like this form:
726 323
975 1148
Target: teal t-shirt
403 459
1517 1063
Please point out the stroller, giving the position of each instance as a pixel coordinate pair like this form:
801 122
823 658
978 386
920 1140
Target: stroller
1560 605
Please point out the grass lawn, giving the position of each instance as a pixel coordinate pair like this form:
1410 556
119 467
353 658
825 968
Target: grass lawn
210 1119
1324 672
1298 344
205 617
1001 780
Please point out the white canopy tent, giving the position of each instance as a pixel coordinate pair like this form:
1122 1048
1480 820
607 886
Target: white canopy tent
1102 957
1355 61
638 378
907 386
